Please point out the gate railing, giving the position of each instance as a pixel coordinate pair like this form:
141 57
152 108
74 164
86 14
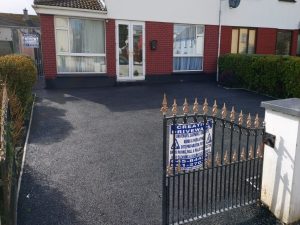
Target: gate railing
211 163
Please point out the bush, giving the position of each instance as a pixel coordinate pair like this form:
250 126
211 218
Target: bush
278 76
20 74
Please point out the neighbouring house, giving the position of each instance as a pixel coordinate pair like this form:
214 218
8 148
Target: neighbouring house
13 28
134 40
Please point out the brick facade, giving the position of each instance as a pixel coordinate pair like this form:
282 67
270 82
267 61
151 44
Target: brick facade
266 41
111 48
210 48
48 45
159 61
294 43
226 40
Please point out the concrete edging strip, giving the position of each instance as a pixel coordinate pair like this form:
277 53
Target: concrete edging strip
23 161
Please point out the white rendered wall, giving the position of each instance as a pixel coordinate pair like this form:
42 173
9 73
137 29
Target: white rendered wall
250 13
281 181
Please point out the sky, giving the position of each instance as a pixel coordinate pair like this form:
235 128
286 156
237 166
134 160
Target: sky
16 6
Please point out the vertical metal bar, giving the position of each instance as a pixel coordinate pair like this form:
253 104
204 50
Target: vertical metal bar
222 162
216 188
230 161
198 192
188 192
246 162
203 162
212 163
174 169
178 197
261 166
238 168
193 195
168 202
164 194
254 184
183 196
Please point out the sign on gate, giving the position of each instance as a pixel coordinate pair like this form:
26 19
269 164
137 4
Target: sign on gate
188 144
30 41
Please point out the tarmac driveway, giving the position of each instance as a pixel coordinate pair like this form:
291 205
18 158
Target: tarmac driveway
94 155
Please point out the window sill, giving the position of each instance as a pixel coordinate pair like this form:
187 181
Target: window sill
82 75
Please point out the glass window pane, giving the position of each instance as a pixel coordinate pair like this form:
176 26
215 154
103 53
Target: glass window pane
187 63
137 50
123 51
87 36
283 45
298 48
62 41
184 39
243 40
83 64
234 41
251 44
61 22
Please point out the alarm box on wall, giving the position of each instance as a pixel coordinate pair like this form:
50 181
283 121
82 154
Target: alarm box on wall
153 44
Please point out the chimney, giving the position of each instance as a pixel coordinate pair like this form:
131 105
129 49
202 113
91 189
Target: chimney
25 14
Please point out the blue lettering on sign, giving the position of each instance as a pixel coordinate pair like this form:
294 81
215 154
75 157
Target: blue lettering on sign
190 128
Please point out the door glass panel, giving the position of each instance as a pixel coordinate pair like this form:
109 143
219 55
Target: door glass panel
243 41
137 32
251 45
123 51
234 41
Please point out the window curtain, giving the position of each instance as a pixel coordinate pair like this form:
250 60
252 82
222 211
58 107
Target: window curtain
187 63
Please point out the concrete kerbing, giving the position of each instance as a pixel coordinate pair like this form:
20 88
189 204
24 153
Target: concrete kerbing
23 161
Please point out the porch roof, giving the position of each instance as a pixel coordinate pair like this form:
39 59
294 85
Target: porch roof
79 4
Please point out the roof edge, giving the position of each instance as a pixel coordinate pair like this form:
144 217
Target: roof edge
68 11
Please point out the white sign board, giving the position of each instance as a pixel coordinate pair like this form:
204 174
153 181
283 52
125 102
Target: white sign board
30 41
188 145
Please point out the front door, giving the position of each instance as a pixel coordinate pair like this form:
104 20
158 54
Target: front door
130 46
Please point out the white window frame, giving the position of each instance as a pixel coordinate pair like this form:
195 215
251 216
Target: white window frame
190 55
69 45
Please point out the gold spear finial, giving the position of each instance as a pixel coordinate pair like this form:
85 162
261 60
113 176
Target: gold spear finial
169 170
205 107
208 161
226 160
251 152
185 107
215 108
179 166
218 159
241 118
224 112
196 106
232 114
256 121
249 121
243 154
174 107
164 108
234 157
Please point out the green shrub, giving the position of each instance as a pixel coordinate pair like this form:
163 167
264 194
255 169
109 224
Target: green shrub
278 76
20 74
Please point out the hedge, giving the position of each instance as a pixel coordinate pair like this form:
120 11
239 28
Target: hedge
20 74
278 76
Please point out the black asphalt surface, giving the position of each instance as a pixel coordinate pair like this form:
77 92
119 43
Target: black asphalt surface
94 155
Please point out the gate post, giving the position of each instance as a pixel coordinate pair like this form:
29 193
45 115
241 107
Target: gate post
281 170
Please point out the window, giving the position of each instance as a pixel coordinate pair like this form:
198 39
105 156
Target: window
298 45
188 47
283 44
243 41
80 45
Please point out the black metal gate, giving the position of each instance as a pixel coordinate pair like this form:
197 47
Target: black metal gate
226 176
38 58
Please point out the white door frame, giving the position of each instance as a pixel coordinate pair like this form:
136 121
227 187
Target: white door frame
130 24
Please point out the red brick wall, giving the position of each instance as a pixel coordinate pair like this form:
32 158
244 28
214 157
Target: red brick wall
111 48
266 41
226 40
159 61
294 42
210 48
48 45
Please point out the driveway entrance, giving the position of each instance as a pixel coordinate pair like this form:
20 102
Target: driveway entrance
94 155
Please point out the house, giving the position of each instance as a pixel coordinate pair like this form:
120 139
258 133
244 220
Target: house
134 40
13 29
